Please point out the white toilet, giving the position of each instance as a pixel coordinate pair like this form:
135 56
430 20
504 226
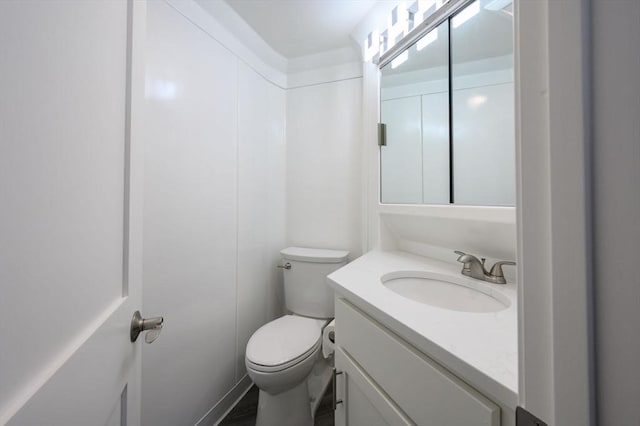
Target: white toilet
283 357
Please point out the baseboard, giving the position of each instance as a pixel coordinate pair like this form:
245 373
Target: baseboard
226 404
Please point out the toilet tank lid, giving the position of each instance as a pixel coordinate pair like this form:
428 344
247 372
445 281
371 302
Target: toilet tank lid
314 255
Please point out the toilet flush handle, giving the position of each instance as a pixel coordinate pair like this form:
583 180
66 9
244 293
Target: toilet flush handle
285 266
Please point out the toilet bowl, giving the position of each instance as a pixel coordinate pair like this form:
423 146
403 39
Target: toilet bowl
282 354
279 358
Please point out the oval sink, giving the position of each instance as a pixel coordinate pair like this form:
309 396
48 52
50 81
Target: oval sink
444 292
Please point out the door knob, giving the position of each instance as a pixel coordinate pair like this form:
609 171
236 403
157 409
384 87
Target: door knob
152 325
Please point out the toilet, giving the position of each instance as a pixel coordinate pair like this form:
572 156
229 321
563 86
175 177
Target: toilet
283 357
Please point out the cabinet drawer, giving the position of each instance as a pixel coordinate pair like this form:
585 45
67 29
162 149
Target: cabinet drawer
429 394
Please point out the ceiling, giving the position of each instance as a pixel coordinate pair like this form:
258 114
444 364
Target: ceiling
296 28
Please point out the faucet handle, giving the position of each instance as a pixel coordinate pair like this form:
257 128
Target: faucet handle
496 269
459 253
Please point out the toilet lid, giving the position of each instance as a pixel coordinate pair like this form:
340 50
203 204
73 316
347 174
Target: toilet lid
314 255
284 340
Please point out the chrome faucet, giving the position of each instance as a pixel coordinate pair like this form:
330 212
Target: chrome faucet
474 268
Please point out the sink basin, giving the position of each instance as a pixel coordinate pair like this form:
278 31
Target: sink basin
446 292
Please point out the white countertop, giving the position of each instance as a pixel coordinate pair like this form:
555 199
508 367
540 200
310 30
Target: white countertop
480 348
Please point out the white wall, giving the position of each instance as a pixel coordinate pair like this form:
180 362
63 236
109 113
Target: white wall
221 183
616 208
324 165
214 216
261 205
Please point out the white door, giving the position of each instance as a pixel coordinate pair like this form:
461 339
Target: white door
70 243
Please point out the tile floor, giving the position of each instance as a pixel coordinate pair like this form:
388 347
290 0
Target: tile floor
244 413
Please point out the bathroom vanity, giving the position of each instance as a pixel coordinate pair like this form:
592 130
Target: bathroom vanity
403 361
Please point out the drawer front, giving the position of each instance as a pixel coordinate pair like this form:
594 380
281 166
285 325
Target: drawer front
429 394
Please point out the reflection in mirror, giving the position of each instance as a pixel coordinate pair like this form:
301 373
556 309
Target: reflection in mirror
483 104
448 105
415 107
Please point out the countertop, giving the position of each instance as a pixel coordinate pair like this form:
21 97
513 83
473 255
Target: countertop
480 348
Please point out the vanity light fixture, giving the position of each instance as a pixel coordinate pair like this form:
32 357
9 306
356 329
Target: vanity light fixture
371 45
419 10
402 20
425 8
467 13
398 23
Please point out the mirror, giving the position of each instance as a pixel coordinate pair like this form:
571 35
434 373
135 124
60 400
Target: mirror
448 105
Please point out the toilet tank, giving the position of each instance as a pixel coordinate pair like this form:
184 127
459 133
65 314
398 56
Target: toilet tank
306 291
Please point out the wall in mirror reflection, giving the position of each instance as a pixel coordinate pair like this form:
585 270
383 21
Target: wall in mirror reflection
448 103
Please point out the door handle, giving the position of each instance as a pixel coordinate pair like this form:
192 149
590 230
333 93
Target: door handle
152 325
334 382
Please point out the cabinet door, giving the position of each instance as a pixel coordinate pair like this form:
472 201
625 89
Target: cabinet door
427 392
363 402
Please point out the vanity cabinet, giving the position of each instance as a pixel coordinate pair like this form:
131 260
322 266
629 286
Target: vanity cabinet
386 381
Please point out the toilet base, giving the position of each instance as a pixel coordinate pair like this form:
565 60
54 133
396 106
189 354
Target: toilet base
288 408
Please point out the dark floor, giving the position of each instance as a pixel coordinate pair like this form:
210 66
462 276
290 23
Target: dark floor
244 413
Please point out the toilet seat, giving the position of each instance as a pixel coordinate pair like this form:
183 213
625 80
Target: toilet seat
281 367
284 342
